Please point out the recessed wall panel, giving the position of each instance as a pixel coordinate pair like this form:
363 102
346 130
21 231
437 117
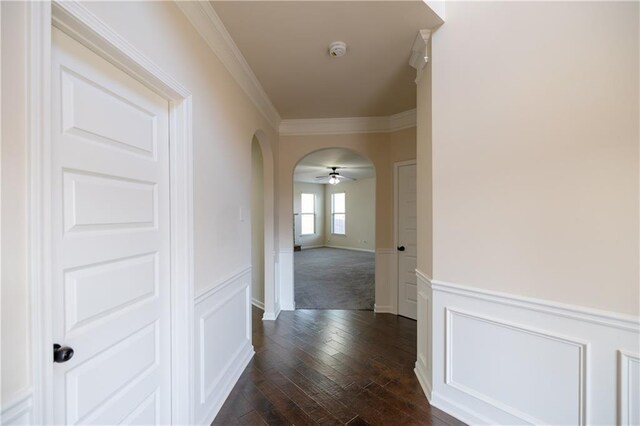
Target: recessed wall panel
504 365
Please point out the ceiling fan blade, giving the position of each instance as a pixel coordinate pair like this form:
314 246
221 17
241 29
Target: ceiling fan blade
345 177
322 177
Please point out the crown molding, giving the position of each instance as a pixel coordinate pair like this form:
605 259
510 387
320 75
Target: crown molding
349 125
207 23
419 55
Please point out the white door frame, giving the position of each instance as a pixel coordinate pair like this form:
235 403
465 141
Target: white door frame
394 268
78 22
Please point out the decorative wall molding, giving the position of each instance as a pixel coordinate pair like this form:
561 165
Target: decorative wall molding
424 351
422 375
348 125
18 410
580 363
258 304
219 366
629 382
609 319
221 284
419 54
491 351
210 27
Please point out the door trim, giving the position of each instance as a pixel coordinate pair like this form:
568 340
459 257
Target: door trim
75 20
394 262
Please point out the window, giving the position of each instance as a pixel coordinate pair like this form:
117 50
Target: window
308 214
338 213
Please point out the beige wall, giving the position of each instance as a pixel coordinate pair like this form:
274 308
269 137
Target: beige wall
382 149
318 239
224 121
15 297
360 215
535 150
257 222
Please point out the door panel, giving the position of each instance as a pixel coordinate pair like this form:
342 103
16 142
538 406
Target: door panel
111 260
407 237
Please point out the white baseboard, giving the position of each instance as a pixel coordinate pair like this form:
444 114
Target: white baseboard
311 247
386 309
350 248
458 411
227 383
18 410
270 316
423 380
506 359
258 304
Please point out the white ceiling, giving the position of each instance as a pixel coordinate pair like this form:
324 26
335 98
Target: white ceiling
286 45
318 163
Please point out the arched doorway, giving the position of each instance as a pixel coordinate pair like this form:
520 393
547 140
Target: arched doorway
333 218
265 295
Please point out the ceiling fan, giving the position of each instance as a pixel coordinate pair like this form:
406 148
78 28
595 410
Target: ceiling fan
334 177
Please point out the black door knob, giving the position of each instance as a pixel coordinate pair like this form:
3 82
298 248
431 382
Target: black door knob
62 353
400 248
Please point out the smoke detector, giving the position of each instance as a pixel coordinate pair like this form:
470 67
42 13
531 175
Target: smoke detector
337 49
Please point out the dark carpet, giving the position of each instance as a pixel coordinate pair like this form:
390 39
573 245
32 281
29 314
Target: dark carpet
328 278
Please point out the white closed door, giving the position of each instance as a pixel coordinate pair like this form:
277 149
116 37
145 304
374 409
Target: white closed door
110 243
407 241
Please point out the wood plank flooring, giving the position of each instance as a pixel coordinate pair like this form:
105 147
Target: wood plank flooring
331 367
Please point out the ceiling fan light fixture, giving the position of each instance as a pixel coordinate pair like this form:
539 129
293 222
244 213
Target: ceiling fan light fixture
333 180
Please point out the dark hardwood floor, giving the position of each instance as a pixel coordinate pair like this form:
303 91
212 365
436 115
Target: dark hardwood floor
331 367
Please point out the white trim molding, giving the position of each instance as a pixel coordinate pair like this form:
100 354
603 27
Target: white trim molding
419 53
218 368
609 319
492 351
581 349
424 345
348 125
210 27
258 304
629 388
18 410
79 23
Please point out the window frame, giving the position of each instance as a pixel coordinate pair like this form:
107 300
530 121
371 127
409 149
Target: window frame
303 214
334 213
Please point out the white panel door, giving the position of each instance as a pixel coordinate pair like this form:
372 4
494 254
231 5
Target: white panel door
111 260
407 246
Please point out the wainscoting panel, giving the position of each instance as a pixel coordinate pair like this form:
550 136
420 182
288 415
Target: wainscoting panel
222 342
629 389
386 282
425 338
287 296
18 410
505 359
